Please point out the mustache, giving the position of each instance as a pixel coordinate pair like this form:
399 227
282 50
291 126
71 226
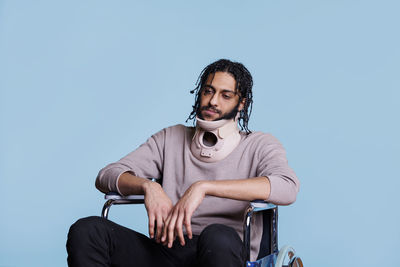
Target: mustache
211 109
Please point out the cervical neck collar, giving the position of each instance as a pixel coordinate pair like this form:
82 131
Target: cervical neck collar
214 140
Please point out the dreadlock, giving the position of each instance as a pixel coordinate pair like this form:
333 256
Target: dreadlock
244 83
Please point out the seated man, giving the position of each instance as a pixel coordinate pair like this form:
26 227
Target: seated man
208 175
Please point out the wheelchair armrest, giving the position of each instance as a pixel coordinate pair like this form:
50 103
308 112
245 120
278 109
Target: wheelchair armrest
114 198
260 205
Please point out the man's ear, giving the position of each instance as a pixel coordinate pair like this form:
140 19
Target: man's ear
241 105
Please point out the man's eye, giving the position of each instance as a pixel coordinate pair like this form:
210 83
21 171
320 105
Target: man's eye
226 96
208 91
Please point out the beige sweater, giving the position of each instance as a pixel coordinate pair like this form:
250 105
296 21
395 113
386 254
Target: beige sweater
167 155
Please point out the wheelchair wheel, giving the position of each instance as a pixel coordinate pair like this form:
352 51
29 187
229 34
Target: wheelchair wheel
287 258
296 262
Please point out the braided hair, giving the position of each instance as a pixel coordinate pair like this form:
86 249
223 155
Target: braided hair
244 84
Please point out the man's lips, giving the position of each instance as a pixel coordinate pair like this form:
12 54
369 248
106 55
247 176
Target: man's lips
210 112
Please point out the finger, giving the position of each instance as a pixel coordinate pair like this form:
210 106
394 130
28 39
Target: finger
151 225
159 229
188 225
164 232
171 230
178 228
165 214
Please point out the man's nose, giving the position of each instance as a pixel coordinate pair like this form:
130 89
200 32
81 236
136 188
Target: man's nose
214 100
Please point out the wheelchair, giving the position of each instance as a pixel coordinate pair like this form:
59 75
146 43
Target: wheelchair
269 255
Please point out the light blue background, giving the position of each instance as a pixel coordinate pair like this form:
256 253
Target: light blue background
85 82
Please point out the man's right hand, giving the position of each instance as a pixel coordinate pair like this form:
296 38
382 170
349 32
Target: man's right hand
158 206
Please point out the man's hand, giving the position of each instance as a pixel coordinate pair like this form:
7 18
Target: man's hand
181 214
158 206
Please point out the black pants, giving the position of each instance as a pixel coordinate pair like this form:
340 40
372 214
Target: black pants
94 241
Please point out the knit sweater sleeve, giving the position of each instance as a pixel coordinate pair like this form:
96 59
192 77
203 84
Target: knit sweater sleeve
274 165
146 162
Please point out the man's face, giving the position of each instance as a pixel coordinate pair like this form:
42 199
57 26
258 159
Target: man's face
218 98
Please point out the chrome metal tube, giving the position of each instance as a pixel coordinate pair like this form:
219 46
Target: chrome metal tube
106 207
118 201
246 232
274 231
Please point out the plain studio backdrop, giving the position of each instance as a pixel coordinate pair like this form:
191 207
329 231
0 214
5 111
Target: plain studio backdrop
83 83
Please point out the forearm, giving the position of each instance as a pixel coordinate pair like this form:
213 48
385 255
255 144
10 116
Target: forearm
129 184
243 189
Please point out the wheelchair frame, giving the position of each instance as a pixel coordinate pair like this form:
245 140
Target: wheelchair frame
275 259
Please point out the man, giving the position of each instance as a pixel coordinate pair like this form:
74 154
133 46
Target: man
208 175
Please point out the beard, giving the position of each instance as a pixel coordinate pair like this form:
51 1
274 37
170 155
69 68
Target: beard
226 116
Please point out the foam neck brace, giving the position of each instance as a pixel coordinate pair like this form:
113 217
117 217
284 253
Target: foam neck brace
214 140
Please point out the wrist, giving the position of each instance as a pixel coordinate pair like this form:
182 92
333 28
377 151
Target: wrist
202 187
149 185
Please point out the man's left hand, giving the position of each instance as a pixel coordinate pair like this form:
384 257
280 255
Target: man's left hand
181 214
